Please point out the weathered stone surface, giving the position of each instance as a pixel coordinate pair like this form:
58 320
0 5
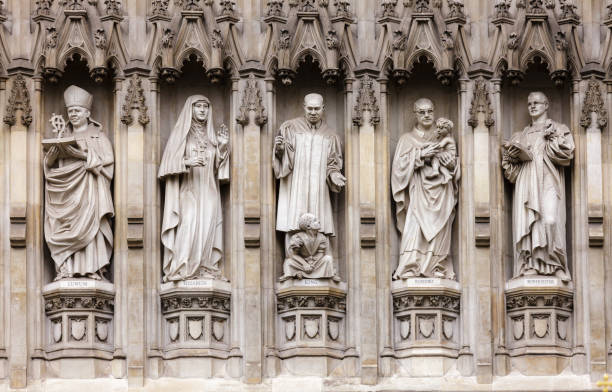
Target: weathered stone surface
255 61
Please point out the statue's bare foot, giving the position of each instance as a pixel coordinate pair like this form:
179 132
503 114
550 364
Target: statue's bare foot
299 275
439 274
93 275
284 278
336 278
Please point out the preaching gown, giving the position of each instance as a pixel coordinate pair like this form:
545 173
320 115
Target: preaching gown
311 154
538 213
198 241
79 206
425 209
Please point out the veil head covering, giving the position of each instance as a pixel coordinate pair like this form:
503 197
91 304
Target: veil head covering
172 160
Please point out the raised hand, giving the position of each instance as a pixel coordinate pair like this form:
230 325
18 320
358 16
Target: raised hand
223 136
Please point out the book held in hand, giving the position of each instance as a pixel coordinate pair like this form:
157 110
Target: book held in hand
525 152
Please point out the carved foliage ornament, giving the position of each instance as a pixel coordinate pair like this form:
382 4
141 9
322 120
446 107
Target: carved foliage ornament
502 8
568 10
159 7
274 8
311 301
195 302
112 7
251 100
332 40
43 7
366 100
388 7
19 100
134 100
100 39
343 8
481 104
456 9
73 5
593 103
422 7
284 41
227 7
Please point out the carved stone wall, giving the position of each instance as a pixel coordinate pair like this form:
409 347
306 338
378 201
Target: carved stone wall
255 59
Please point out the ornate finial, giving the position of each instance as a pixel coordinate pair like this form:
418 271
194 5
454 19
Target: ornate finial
455 8
422 7
134 99
275 8
43 7
252 100
481 104
159 7
343 8
502 8
74 5
389 8
19 100
605 383
366 100
332 40
568 10
307 6
190 5
227 7
593 103
100 39
113 7
535 7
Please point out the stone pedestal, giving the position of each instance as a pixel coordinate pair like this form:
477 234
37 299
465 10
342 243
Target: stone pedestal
539 324
79 327
426 324
311 325
195 330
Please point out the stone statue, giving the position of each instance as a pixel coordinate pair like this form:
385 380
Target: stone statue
78 169
196 158
308 252
424 181
308 163
533 160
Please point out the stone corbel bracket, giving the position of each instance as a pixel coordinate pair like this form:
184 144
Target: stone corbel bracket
594 118
252 117
481 120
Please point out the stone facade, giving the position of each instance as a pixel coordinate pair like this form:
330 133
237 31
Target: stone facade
482 325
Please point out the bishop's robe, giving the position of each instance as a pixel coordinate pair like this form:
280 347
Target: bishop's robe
311 154
538 206
425 209
79 206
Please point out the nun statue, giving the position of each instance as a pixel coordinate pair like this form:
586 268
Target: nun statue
195 160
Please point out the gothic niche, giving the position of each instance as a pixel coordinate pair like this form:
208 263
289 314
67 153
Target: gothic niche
194 174
78 155
538 269
424 272
310 269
